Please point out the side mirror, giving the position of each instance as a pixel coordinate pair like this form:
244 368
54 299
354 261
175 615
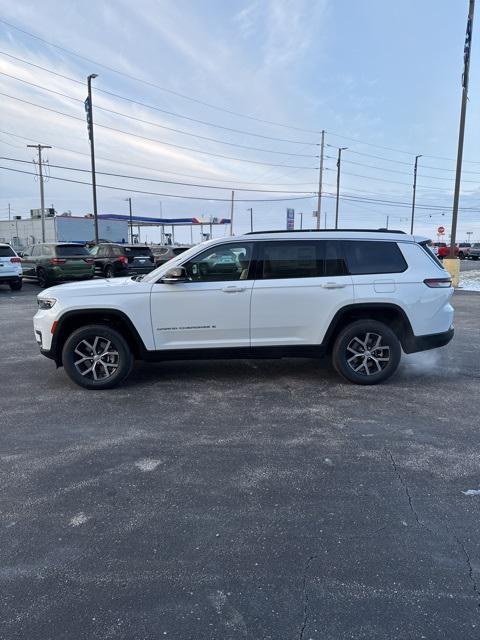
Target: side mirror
21 254
176 274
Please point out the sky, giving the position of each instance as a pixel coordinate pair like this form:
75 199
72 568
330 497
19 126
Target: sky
233 95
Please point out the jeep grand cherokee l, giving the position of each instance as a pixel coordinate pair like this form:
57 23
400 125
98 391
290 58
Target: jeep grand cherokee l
359 297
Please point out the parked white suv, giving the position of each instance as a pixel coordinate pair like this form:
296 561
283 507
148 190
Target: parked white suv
357 296
10 267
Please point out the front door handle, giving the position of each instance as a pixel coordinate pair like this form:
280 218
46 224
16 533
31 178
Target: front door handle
334 285
233 289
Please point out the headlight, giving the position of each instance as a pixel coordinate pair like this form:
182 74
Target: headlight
46 303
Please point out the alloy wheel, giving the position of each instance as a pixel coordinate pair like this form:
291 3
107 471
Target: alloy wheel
99 359
367 355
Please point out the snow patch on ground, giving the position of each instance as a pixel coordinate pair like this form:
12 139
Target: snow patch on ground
147 464
472 492
470 280
79 519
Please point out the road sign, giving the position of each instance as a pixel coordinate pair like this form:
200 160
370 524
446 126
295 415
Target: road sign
441 230
290 219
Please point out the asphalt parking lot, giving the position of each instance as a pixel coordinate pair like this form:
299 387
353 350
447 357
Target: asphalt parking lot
240 499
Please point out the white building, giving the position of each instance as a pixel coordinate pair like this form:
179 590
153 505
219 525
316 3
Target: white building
27 231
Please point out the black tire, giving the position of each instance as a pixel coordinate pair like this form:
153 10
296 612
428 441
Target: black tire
109 271
16 285
363 336
117 366
461 255
42 278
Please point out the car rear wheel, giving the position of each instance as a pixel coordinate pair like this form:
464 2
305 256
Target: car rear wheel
366 352
16 285
42 277
109 272
97 357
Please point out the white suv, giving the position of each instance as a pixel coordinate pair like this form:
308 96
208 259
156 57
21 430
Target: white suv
357 296
10 267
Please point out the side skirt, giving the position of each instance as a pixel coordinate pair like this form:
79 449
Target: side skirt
290 351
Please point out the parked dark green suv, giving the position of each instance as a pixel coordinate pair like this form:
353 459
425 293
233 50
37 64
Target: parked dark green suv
54 262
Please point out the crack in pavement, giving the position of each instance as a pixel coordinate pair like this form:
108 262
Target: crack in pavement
305 596
460 544
407 491
468 562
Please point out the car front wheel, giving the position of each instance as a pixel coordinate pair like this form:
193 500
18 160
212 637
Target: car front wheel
97 357
366 352
109 272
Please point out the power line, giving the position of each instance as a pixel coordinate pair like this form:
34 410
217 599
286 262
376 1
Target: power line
153 193
168 144
161 126
183 184
155 108
156 86
176 173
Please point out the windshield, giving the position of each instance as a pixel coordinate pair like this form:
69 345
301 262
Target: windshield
156 273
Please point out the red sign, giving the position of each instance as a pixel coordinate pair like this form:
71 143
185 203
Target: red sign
441 230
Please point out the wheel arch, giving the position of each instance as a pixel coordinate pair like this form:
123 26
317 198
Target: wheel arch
113 318
390 314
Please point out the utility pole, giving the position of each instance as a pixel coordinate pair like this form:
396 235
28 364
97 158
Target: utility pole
129 200
9 216
388 218
231 213
414 192
339 163
39 148
301 221
251 218
320 179
461 132
89 111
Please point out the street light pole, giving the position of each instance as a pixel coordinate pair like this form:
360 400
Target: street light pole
320 179
89 110
129 200
231 213
251 218
39 148
414 192
461 132
339 162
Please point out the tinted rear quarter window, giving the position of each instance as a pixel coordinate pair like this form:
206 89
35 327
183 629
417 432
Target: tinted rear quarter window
6 252
371 257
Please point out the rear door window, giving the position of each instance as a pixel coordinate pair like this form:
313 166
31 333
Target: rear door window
6 252
371 257
292 259
302 259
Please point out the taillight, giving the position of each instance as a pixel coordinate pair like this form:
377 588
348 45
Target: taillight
438 283
123 259
57 261
89 260
16 259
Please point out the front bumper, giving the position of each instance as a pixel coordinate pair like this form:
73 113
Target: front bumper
413 343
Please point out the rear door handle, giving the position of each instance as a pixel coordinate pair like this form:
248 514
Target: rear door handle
334 285
233 289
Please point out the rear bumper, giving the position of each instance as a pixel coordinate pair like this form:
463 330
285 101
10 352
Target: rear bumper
10 278
413 344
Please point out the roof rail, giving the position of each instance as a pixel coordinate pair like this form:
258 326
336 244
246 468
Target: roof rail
383 230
